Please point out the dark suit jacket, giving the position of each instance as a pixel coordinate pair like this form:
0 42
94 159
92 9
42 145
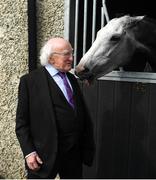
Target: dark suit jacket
35 119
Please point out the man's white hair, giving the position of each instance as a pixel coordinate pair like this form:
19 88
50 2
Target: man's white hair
45 53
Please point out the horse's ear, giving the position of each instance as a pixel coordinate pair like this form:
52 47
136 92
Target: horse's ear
138 19
143 17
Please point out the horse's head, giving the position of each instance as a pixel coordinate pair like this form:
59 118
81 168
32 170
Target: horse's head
114 46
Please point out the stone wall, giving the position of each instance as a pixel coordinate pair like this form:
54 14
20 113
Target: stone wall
13 64
50 22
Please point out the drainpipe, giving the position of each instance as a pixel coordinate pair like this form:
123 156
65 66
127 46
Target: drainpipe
32 35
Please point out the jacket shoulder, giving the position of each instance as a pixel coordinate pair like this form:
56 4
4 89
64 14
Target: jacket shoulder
32 74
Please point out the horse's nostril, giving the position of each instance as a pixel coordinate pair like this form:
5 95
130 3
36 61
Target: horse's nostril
84 74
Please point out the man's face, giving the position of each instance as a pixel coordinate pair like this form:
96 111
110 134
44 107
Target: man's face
62 57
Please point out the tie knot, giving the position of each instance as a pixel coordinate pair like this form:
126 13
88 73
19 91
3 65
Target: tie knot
62 74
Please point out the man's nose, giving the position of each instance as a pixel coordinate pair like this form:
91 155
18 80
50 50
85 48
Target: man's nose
71 57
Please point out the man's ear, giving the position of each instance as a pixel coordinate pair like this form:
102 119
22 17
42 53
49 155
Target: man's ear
51 60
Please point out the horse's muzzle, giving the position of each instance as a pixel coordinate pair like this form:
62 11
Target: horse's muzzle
85 74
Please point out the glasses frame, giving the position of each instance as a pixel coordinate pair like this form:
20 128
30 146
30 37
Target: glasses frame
66 54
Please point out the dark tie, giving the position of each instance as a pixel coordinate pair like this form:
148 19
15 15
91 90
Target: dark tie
68 88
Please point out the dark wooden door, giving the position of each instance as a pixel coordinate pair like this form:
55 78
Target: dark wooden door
124 118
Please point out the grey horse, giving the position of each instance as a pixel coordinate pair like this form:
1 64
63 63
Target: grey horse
118 44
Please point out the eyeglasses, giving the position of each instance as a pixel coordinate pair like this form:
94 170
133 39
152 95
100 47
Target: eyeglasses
67 54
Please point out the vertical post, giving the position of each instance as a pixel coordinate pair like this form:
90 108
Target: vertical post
85 26
76 31
105 12
102 18
32 35
94 21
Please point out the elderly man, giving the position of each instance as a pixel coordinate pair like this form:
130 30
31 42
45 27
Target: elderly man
52 124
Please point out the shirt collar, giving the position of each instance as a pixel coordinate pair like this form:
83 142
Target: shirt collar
51 70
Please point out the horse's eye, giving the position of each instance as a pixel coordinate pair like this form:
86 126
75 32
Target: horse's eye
115 38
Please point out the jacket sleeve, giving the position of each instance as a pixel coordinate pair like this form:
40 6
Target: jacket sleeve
22 128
